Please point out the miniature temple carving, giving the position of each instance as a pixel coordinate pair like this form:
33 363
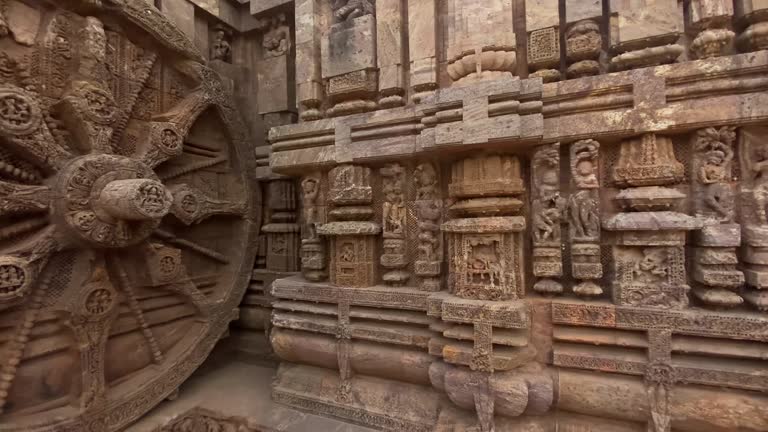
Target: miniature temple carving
649 257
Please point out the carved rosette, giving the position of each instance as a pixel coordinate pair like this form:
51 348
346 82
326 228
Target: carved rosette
95 208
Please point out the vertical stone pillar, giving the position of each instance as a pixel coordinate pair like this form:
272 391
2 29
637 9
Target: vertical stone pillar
753 155
394 225
481 40
349 58
429 211
584 218
752 23
484 243
583 39
714 267
711 20
312 246
352 236
422 47
390 53
309 84
547 215
542 21
641 39
282 230
649 255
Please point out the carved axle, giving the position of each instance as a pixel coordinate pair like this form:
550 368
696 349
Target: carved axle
135 199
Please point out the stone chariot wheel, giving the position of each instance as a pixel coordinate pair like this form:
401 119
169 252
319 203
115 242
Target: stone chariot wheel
126 222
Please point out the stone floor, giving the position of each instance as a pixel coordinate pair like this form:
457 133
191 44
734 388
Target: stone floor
238 385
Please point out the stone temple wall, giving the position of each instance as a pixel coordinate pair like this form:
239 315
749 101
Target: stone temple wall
516 215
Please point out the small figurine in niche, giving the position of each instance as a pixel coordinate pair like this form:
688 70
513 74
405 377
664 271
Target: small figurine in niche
547 215
221 49
310 189
277 40
345 10
347 253
584 163
653 267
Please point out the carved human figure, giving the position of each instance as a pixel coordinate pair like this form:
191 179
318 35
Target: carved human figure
344 10
394 208
759 167
653 268
584 215
221 49
425 178
310 188
347 254
547 216
716 155
277 40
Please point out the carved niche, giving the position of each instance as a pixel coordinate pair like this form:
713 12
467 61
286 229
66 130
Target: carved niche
485 248
126 228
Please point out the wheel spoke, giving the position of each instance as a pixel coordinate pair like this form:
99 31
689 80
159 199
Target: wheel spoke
192 206
20 199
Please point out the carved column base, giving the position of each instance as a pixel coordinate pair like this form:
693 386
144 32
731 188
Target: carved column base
547 265
757 298
653 56
711 43
717 297
754 257
754 38
313 260
547 75
587 289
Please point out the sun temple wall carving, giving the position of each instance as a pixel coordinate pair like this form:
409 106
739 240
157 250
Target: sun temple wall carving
527 236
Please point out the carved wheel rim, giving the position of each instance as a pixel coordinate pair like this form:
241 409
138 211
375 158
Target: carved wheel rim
127 225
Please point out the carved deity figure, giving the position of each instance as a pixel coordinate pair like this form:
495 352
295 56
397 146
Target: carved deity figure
483 264
221 49
394 208
345 10
547 216
584 215
425 178
277 40
347 254
758 165
653 268
310 188
716 154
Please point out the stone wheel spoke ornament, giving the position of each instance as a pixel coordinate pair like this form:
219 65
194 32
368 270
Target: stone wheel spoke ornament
126 215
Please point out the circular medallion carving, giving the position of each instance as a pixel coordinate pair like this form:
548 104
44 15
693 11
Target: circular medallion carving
99 301
14 278
19 113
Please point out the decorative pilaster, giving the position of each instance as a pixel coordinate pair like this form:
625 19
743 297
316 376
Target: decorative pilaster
485 247
282 230
312 247
583 38
352 236
547 215
714 266
429 210
649 255
711 20
584 218
754 214
543 26
394 228
642 39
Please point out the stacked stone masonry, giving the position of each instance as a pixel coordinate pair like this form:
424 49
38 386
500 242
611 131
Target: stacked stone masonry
478 215
528 215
